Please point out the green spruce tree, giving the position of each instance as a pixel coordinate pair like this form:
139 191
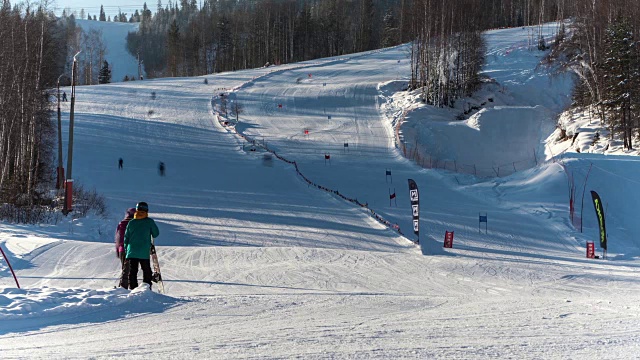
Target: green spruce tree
104 77
621 67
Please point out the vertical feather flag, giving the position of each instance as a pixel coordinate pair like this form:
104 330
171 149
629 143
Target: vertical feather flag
597 203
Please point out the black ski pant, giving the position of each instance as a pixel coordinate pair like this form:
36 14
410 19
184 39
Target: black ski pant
124 276
145 264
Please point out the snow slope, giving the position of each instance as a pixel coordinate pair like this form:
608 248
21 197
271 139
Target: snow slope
260 264
114 36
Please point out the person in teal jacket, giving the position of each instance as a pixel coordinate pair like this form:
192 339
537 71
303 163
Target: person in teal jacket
137 244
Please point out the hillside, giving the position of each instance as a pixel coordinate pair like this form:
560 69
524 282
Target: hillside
261 263
114 35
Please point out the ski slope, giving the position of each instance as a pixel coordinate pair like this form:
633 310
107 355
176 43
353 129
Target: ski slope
259 264
114 37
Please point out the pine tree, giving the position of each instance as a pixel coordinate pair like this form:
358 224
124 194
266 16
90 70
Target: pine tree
173 48
104 77
390 30
621 79
102 15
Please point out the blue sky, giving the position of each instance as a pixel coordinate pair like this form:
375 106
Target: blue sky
110 7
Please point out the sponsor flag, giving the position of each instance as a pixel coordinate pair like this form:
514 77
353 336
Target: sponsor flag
597 203
415 206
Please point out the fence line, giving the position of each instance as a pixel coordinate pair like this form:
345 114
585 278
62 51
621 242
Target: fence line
430 162
365 205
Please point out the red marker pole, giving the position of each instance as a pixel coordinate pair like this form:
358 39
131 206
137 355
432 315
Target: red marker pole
10 268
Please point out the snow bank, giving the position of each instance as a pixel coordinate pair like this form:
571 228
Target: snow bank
35 308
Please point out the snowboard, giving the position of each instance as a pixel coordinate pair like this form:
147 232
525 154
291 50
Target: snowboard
156 276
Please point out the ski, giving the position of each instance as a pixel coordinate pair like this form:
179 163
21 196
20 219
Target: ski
156 276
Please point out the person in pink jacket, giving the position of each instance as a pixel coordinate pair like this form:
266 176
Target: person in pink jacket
120 250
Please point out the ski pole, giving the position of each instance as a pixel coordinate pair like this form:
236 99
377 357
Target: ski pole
10 268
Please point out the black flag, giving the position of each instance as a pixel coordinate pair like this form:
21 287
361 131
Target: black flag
597 203
415 206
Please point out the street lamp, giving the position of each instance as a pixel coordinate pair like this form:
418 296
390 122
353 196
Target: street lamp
68 194
60 170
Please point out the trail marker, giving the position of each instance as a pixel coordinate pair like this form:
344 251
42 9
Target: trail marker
482 219
448 239
591 250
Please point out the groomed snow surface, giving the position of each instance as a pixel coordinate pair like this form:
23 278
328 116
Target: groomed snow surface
258 263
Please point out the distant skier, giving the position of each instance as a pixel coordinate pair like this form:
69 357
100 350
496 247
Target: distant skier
120 161
137 244
161 168
120 253
64 96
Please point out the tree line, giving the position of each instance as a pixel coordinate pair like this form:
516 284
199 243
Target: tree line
603 51
447 48
120 17
185 39
32 58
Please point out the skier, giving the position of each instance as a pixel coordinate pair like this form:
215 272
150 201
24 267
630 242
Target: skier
120 161
137 244
64 96
120 253
161 168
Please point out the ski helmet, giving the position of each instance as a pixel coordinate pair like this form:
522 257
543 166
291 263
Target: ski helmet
142 206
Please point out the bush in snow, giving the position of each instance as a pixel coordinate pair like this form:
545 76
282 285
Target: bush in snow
24 214
542 45
88 201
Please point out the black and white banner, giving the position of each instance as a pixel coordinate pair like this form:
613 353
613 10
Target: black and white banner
415 206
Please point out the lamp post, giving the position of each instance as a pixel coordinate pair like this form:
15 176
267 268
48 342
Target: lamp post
68 194
60 171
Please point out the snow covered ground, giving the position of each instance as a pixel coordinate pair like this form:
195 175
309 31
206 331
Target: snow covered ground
114 36
258 263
